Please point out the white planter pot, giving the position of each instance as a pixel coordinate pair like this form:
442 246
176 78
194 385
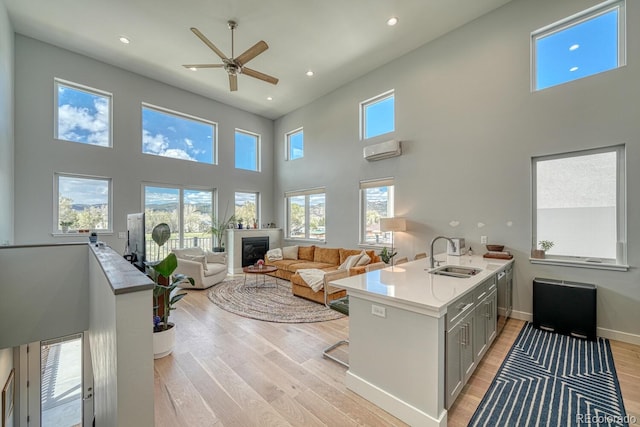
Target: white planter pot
164 341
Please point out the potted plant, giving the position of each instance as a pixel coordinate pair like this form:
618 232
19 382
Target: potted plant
164 298
545 245
64 225
240 220
219 227
386 255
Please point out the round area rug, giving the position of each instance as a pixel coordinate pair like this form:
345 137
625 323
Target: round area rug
270 303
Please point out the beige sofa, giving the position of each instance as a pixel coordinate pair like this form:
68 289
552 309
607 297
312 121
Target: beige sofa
205 267
327 259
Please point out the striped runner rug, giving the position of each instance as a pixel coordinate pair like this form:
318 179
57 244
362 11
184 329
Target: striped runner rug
548 379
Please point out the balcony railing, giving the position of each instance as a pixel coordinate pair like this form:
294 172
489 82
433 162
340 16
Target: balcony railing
153 252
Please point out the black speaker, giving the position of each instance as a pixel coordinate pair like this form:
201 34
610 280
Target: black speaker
568 308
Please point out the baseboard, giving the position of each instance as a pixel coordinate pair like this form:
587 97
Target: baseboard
392 404
619 336
522 315
602 332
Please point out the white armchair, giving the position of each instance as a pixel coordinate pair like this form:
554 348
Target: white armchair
206 268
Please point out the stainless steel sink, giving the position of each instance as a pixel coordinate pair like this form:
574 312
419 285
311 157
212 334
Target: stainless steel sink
456 271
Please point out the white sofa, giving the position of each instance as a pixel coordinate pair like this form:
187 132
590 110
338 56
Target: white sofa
205 267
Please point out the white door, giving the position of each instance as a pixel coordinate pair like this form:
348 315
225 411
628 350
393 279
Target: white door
60 386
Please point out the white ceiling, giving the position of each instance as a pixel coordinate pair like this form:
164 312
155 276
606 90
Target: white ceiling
339 40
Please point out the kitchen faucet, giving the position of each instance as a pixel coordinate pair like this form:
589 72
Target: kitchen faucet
434 240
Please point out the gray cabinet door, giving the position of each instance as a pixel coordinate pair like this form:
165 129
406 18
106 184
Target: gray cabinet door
480 342
467 355
492 317
454 378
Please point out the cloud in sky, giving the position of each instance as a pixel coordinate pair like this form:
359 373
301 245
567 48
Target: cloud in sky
82 124
159 145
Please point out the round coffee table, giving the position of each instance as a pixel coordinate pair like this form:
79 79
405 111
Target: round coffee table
257 271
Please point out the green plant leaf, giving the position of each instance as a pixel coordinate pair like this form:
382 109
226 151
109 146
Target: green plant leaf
176 298
161 233
167 266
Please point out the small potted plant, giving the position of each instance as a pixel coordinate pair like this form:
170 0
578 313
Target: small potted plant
260 263
240 220
386 255
64 225
219 227
545 245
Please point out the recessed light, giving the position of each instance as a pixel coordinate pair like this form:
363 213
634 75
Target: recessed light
125 40
573 69
392 21
309 73
269 98
193 68
574 46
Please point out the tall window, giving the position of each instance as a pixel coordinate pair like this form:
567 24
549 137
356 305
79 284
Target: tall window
247 150
306 214
582 45
579 205
84 203
247 209
179 136
377 115
376 201
295 144
82 114
188 212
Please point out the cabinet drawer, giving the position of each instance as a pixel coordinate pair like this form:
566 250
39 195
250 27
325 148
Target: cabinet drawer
459 308
484 289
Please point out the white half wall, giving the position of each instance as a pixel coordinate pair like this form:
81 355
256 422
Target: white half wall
469 125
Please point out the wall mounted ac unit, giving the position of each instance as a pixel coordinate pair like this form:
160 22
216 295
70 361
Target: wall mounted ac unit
383 150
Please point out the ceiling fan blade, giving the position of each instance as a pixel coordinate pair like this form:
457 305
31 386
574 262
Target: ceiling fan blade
252 52
258 75
203 65
208 43
233 82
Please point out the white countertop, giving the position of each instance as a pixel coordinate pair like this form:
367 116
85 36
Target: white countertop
411 286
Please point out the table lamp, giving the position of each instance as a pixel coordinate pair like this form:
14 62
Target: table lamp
392 225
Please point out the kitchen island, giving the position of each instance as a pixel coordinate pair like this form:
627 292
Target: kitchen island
399 318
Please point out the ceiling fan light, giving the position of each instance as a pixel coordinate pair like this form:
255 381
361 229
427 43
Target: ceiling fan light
392 21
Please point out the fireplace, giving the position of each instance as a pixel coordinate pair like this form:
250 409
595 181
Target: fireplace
253 249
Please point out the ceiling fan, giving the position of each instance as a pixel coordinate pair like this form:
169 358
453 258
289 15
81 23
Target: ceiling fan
234 66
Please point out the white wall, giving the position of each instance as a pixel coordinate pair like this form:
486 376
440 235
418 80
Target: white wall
469 126
45 293
6 127
38 155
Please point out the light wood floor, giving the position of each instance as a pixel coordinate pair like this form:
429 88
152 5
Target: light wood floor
231 371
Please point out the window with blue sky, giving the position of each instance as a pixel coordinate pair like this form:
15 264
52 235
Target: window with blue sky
295 144
247 209
377 115
588 43
84 203
83 114
176 135
306 214
247 150
376 201
187 211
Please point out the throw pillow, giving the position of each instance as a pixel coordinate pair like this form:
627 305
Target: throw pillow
215 257
274 254
290 252
351 261
198 258
364 259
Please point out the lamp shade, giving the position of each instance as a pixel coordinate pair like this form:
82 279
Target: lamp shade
393 224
